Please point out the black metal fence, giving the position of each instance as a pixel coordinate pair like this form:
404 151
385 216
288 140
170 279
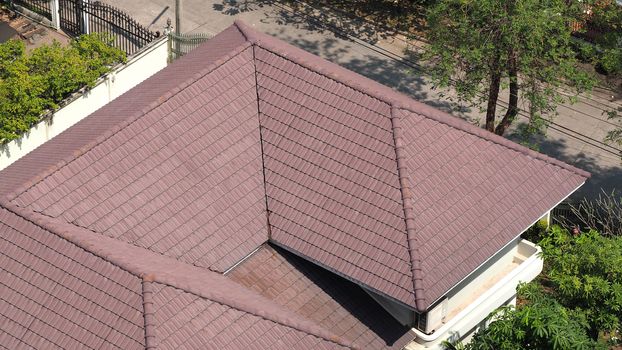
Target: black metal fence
41 7
181 44
70 16
76 17
128 34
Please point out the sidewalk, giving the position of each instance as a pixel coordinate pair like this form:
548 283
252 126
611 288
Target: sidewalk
576 138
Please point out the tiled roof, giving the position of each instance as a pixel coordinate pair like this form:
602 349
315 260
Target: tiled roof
331 179
184 179
207 160
322 297
54 294
64 287
188 321
347 183
475 187
111 117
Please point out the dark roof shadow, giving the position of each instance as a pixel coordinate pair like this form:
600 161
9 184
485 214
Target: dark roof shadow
353 299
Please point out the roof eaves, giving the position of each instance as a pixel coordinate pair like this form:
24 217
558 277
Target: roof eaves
409 215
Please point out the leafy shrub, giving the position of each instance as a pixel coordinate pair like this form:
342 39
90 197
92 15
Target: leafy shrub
540 322
606 20
32 83
585 273
536 232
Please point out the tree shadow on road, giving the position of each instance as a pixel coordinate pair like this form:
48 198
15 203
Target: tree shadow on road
391 73
604 178
369 20
235 7
336 44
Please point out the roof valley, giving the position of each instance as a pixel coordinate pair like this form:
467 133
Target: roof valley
402 170
261 142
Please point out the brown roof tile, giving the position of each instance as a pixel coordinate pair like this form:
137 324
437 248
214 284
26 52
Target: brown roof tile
296 95
322 297
184 179
381 189
65 287
111 117
54 294
451 186
187 321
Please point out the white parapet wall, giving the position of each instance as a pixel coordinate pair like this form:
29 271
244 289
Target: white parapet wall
122 78
495 286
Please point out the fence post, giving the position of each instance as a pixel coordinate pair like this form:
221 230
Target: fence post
84 16
169 37
55 15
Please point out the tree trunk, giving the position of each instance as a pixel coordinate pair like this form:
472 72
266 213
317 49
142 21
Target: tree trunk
512 111
493 93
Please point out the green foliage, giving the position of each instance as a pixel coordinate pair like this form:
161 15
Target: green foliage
586 275
540 323
536 232
615 136
474 41
606 18
31 83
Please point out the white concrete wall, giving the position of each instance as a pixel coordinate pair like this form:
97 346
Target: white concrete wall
526 263
123 77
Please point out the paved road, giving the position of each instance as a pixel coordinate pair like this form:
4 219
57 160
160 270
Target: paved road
576 138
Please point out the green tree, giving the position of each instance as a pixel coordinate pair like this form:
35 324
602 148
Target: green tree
606 20
33 82
481 47
539 323
615 136
585 273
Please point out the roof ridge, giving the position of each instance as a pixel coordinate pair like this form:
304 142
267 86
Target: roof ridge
151 341
409 216
152 267
43 222
261 140
386 94
255 38
125 123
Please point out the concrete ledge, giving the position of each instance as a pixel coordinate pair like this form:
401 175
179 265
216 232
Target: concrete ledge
529 265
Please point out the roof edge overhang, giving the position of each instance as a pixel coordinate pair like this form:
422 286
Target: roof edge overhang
440 298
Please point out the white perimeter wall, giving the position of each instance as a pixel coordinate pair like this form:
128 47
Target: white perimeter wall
122 78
